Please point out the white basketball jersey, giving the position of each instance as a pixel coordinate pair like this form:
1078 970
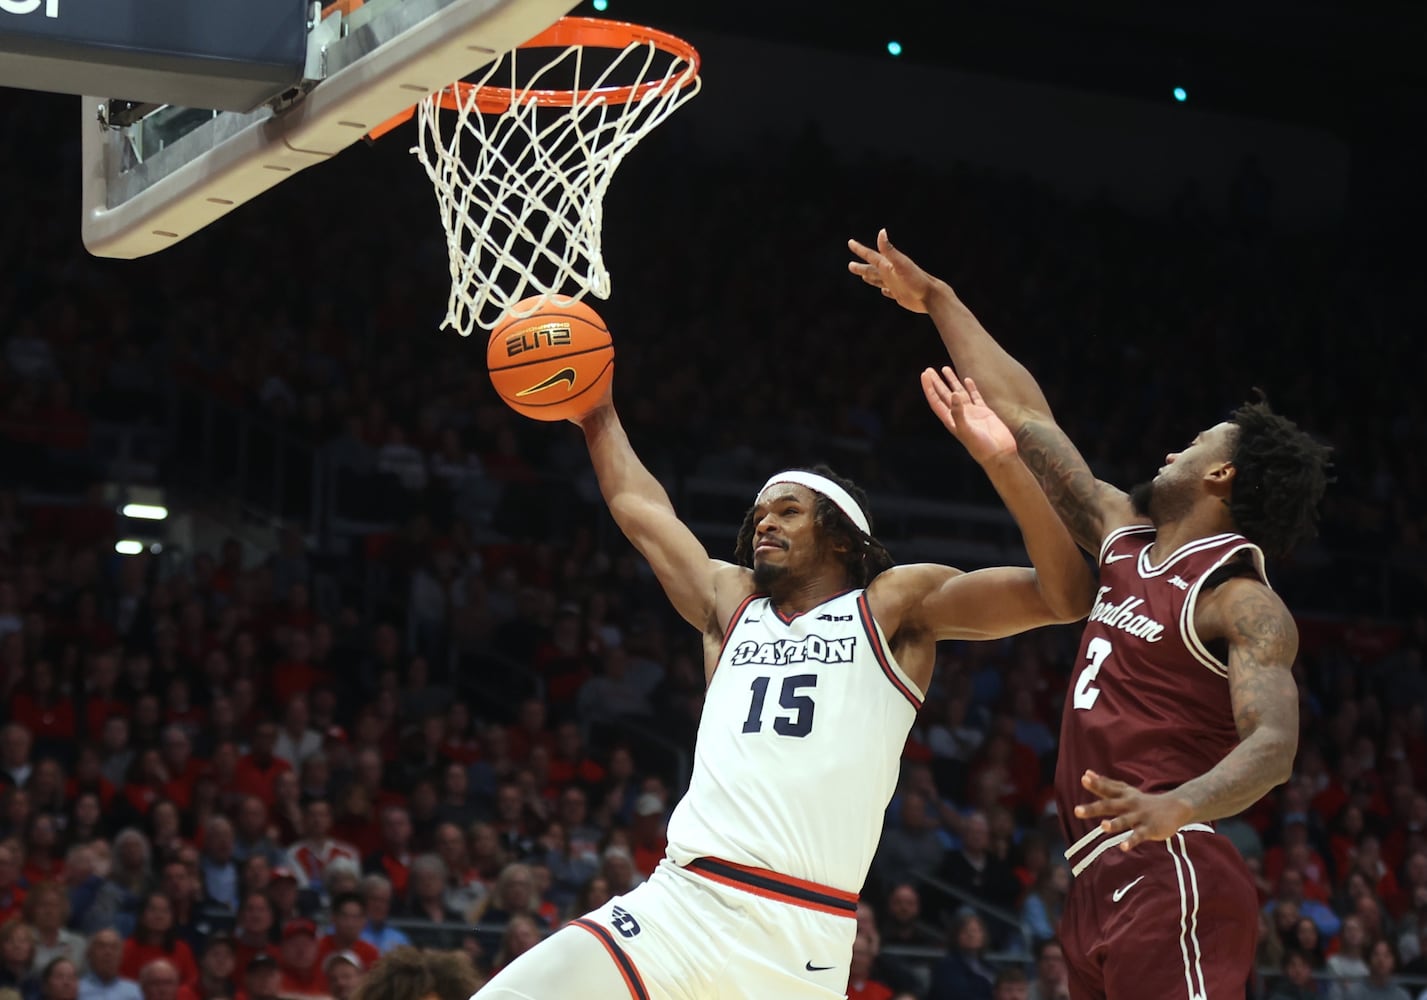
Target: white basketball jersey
799 746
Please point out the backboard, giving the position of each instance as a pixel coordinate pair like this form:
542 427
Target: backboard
155 174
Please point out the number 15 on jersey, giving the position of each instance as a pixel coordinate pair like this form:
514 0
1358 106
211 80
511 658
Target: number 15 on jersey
791 698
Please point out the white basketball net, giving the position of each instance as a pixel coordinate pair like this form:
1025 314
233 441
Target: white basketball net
521 192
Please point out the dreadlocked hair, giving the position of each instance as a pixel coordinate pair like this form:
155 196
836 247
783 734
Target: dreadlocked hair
1280 475
863 556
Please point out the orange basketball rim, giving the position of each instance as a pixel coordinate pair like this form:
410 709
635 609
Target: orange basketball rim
589 32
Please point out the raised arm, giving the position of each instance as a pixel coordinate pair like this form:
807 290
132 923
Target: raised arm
1005 600
1263 642
1089 507
641 508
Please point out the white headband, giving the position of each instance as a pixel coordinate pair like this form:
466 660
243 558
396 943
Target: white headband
821 484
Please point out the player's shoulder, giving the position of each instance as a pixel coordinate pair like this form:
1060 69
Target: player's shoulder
1243 606
1243 590
894 597
911 579
732 576
732 587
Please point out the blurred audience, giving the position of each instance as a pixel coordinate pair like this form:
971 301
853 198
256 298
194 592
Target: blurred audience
461 697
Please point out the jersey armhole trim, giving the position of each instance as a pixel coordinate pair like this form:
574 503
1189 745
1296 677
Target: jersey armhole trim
899 680
733 623
1192 642
1129 529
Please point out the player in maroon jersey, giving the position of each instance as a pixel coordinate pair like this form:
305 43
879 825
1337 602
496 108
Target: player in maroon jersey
1183 708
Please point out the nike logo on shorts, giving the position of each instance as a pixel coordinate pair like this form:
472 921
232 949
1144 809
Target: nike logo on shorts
1119 893
818 968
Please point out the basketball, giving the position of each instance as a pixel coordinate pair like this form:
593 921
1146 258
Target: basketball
555 364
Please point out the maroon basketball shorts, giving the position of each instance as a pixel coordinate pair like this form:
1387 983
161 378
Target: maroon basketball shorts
1176 920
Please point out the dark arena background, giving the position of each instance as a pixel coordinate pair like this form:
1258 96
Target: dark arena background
380 596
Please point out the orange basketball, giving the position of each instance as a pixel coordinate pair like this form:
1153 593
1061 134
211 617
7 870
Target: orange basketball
555 364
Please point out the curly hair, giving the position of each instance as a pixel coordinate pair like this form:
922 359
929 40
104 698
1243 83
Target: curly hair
864 557
407 973
1280 476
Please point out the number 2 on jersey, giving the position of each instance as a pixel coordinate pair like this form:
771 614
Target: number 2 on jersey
1085 695
800 705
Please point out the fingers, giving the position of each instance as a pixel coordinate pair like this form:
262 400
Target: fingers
866 272
874 267
955 395
938 398
1102 786
1122 815
1105 807
1140 835
949 389
949 373
865 252
870 257
973 392
1120 823
935 388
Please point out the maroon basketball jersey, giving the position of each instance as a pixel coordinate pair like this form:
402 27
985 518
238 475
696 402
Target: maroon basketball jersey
1148 701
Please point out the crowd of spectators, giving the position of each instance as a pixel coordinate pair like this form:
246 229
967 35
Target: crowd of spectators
252 770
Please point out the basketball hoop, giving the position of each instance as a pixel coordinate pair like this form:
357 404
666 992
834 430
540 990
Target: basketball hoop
521 170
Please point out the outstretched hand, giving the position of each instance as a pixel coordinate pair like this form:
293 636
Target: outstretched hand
894 272
962 411
1147 816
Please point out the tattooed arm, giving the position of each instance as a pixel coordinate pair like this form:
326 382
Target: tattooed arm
1263 642
1089 508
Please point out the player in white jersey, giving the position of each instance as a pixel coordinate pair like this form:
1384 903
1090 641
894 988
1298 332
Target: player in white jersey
817 651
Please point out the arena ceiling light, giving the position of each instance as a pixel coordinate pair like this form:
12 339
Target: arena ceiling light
145 511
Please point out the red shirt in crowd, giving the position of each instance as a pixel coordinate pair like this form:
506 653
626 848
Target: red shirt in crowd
53 721
364 950
137 955
97 710
520 740
38 870
141 798
1315 874
292 677
868 989
102 788
179 787
313 858
362 834
313 983
393 868
12 901
648 856
191 719
255 777
567 772
462 751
